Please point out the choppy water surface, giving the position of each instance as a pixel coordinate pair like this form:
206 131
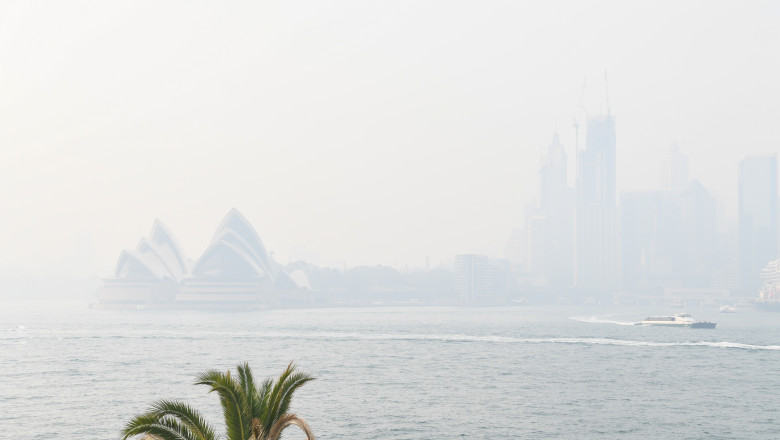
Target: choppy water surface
69 373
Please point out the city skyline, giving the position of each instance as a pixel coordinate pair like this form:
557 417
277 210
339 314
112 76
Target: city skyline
655 239
674 175
369 146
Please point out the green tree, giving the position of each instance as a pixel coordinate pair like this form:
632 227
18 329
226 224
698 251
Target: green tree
252 411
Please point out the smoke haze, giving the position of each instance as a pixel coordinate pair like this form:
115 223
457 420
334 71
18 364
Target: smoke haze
353 132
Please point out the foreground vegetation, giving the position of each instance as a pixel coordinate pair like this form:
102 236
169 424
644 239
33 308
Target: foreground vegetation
252 411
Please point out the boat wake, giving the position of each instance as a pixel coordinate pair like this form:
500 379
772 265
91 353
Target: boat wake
629 343
393 337
516 340
14 336
594 320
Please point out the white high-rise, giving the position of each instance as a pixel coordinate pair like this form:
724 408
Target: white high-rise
596 219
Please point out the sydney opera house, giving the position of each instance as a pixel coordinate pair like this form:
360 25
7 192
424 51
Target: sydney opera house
234 272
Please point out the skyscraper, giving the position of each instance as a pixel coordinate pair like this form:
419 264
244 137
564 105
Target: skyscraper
641 213
596 173
757 217
674 173
557 211
596 223
553 175
668 238
539 251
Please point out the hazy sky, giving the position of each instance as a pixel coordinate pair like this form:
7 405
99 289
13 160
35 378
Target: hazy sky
365 132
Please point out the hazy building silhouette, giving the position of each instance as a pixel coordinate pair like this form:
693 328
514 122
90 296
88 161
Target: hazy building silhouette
727 276
553 174
537 247
757 217
694 234
542 252
596 222
478 279
642 266
553 225
516 250
668 238
674 170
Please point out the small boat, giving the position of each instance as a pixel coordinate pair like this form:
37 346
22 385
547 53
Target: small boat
725 308
703 324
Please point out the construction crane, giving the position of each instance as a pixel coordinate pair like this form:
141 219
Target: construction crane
583 112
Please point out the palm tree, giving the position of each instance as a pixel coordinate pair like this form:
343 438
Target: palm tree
251 412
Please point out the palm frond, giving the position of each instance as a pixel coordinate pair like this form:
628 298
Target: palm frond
260 413
285 421
238 420
187 415
273 397
247 382
264 391
165 428
293 382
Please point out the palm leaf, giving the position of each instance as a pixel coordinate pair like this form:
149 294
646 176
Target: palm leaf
187 415
293 382
274 396
287 420
237 417
247 383
263 407
165 428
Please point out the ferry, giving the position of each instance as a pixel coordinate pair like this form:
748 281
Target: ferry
676 320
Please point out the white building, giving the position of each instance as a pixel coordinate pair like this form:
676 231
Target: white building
235 271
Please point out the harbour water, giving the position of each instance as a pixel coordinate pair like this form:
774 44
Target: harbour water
71 373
